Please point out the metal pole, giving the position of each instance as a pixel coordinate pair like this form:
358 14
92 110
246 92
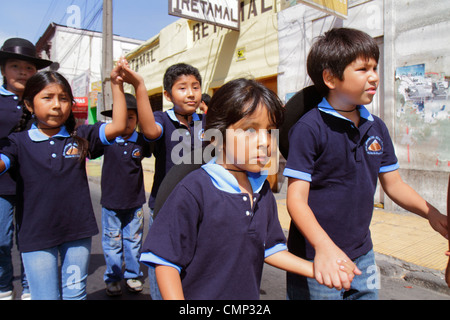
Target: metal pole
107 55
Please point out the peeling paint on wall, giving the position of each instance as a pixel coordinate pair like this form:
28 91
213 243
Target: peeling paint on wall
422 115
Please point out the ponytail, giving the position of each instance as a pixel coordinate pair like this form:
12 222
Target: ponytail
24 121
83 144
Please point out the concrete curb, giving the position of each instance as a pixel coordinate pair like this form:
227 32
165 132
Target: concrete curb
414 274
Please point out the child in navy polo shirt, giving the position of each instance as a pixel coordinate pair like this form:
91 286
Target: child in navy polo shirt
54 210
18 62
123 195
336 154
220 223
182 87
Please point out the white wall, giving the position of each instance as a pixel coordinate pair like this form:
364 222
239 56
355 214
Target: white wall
79 52
409 33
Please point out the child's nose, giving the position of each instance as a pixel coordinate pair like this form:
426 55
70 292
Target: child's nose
57 103
23 71
374 76
263 138
190 92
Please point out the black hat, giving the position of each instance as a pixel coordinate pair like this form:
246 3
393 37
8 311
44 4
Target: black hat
21 49
131 105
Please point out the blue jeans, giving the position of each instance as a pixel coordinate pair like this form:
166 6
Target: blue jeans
363 287
43 272
7 204
122 242
154 289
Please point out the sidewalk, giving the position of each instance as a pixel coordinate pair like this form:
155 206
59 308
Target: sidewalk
405 244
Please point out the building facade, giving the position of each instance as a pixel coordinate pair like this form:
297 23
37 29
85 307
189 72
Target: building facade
77 54
272 45
220 54
414 67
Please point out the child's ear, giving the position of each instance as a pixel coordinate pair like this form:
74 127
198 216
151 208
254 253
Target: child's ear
329 79
167 95
28 106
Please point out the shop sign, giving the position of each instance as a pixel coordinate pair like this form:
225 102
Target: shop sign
81 105
223 13
338 8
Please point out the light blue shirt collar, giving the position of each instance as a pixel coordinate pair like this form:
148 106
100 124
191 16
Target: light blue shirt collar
173 117
324 106
37 136
225 181
132 138
5 92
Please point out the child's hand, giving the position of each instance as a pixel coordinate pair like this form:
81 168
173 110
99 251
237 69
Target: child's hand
116 73
130 76
350 269
438 222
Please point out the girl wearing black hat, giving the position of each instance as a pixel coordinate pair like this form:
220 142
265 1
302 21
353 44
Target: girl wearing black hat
18 62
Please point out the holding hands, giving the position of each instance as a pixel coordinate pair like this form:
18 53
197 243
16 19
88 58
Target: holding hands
333 268
123 73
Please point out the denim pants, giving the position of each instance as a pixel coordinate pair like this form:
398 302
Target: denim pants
7 204
363 287
154 289
42 269
122 242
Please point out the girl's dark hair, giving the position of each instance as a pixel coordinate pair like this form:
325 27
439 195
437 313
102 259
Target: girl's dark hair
335 50
177 70
36 84
238 99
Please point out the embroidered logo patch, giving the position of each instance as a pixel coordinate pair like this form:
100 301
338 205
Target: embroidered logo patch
374 145
71 151
201 135
136 153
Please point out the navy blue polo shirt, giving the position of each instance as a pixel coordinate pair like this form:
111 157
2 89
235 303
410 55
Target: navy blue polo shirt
175 138
342 163
10 114
208 230
122 174
53 199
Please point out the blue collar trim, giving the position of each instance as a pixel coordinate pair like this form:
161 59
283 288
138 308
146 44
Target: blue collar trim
132 138
225 181
37 136
173 117
5 92
324 106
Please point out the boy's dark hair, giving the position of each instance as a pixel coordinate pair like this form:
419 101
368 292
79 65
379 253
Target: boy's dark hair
335 50
206 98
239 98
177 70
36 84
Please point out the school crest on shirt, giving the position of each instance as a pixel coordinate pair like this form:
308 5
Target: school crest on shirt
201 135
374 145
137 153
71 150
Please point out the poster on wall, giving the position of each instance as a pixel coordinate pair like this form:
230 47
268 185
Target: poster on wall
422 115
